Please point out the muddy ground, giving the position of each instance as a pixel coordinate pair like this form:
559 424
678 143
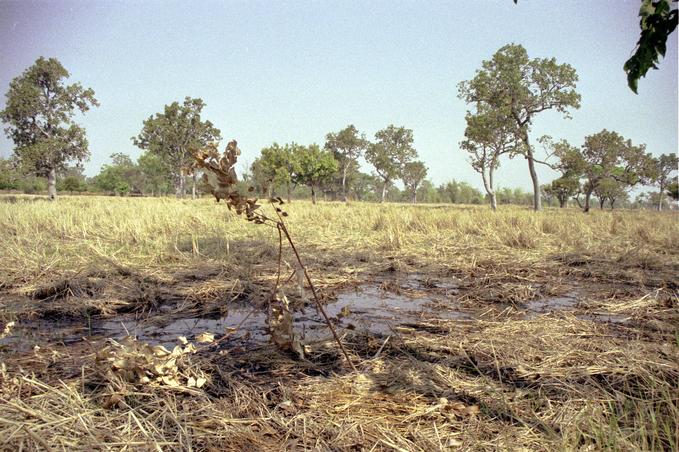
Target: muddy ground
484 359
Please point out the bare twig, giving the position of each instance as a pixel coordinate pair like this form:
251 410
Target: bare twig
282 227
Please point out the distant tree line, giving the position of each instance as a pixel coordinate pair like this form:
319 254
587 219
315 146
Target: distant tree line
506 95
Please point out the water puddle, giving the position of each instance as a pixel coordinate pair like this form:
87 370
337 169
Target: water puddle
551 304
570 302
366 308
376 311
604 317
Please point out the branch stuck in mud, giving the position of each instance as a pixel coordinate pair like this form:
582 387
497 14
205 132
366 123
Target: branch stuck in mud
279 314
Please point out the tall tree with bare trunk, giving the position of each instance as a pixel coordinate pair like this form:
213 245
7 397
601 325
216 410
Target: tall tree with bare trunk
347 146
413 175
392 150
489 135
520 88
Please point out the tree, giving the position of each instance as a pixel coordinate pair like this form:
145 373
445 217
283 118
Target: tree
610 189
519 88
658 21
171 135
563 188
9 176
347 146
39 117
364 187
314 167
155 176
119 177
489 134
71 179
673 191
665 165
605 155
428 193
413 175
277 165
393 149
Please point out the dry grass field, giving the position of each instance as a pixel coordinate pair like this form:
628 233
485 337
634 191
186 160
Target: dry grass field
470 330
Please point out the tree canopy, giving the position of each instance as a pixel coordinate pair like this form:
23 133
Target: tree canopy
347 146
665 165
313 167
413 174
173 133
488 135
519 88
605 156
391 151
40 114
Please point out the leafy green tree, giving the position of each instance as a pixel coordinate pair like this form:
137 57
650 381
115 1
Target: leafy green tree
563 189
459 193
278 165
673 191
364 187
259 178
665 165
39 117
489 134
71 179
605 155
314 167
413 174
392 150
658 21
73 184
9 176
519 88
155 175
428 193
347 146
120 177
610 190
173 133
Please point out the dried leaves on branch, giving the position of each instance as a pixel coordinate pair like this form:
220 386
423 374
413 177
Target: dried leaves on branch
222 167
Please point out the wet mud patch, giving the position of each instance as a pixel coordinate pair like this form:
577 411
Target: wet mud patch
200 302
375 308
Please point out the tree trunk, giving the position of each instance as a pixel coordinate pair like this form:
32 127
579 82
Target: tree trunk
587 196
414 198
181 186
313 194
612 203
488 185
562 202
660 199
344 183
193 185
384 190
601 203
52 184
537 201
289 193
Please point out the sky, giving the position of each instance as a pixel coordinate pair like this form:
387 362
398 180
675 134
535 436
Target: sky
283 71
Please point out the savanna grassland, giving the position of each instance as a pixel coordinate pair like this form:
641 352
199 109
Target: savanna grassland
542 331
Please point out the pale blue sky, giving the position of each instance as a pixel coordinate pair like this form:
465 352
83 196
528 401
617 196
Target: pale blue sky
294 71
